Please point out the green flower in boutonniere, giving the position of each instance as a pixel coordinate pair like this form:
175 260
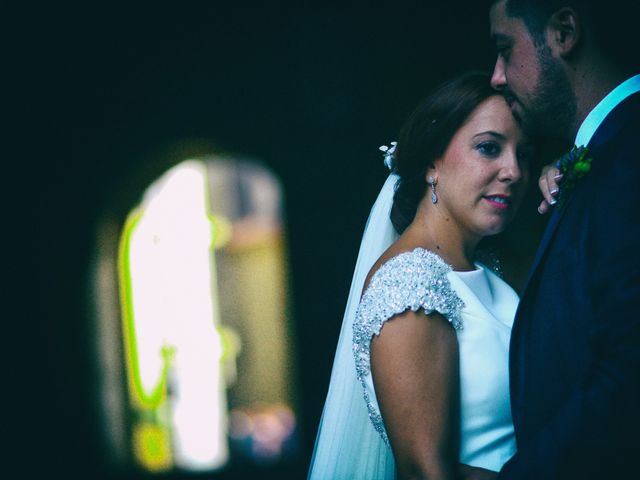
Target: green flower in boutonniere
573 166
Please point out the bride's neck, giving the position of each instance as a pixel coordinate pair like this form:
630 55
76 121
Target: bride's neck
437 232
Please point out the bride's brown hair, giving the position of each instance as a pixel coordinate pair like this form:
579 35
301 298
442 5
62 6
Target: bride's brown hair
425 137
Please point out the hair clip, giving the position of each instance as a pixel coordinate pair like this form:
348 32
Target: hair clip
389 154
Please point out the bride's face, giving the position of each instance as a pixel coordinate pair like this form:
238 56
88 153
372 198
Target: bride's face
482 176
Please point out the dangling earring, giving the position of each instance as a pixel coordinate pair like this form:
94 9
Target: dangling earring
432 181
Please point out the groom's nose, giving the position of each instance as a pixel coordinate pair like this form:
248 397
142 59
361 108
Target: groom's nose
498 78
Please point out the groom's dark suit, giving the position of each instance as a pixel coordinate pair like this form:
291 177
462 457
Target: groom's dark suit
575 345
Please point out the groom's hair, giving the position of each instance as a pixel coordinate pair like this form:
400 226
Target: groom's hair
612 23
536 13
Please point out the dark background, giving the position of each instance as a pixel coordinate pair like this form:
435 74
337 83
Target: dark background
114 95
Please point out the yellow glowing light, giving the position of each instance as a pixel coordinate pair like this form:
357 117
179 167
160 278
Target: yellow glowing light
152 447
221 231
145 398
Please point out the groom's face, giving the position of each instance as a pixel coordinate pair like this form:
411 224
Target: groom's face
517 69
532 79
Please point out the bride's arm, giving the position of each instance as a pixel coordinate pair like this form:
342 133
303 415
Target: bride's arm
414 363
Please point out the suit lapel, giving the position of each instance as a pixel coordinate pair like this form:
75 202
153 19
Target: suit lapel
549 232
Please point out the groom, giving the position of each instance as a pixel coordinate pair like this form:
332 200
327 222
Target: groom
575 345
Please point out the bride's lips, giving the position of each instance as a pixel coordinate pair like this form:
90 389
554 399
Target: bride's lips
501 202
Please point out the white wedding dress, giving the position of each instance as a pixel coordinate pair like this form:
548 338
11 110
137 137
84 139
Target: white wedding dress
351 443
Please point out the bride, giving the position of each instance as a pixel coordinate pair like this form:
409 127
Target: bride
420 377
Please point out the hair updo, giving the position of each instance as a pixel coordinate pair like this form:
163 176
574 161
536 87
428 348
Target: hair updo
426 135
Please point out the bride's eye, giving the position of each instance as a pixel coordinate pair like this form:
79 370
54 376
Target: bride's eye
489 149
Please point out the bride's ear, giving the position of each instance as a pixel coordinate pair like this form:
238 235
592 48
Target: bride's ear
431 175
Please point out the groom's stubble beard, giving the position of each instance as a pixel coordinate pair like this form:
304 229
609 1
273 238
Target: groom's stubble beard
552 108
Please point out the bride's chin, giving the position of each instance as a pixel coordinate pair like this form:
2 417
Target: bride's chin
495 228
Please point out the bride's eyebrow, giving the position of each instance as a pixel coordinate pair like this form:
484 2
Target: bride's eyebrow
492 133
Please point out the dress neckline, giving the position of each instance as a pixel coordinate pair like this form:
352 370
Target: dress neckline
478 283
476 271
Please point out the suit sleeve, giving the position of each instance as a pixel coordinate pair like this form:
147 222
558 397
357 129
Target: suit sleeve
594 434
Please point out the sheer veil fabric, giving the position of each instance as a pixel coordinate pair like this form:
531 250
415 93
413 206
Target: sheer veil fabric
347 445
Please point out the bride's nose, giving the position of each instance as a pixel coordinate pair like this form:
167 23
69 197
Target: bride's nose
510 170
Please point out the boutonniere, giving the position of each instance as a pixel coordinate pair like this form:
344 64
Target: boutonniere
573 165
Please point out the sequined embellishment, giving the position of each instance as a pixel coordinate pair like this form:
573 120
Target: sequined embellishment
411 280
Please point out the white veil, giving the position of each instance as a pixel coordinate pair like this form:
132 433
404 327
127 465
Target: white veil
347 445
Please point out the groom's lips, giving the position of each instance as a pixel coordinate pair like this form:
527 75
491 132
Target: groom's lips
514 106
511 100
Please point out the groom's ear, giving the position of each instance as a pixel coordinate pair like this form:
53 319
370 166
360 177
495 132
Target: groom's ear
564 32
